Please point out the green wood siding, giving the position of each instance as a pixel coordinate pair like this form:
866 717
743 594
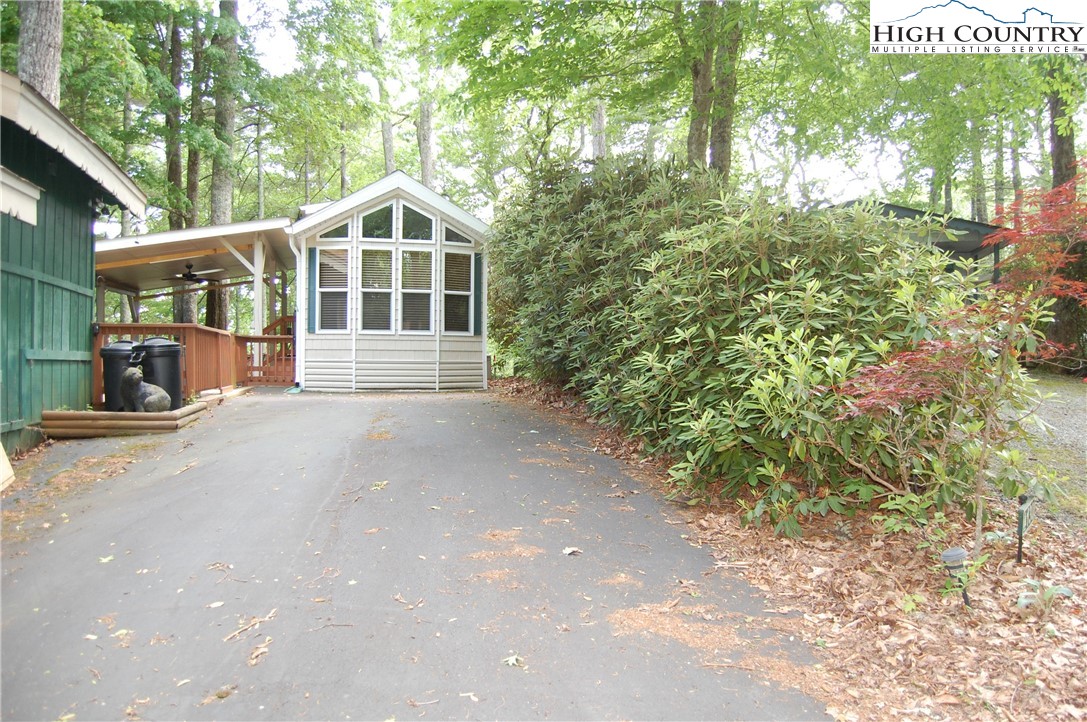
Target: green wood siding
46 291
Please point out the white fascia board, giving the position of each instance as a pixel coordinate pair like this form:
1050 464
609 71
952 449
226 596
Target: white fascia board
25 107
395 181
19 197
193 234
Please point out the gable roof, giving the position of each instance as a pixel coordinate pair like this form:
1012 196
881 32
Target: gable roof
395 181
23 105
970 235
152 261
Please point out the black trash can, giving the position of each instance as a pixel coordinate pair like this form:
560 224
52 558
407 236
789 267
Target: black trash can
115 358
160 359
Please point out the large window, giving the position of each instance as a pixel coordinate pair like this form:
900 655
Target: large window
376 271
332 265
416 290
378 223
458 293
415 226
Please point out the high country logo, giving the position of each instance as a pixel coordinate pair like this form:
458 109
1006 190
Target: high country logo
958 26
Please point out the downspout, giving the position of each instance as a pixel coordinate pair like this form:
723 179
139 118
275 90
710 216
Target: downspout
354 296
439 291
483 314
301 309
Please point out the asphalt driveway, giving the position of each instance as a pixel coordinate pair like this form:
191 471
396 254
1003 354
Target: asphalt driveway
436 556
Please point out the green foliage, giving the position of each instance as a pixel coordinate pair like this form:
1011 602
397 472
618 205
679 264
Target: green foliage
1040 596
724 331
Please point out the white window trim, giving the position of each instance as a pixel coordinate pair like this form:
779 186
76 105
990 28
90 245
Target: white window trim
470 293
378 244
400 292
338 246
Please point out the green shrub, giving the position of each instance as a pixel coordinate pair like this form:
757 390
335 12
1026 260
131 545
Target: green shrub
722 330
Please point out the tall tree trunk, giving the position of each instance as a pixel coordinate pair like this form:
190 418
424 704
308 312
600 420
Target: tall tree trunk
1017 174
979 207
41 37
383 98
305 174
700 57
1062 133
934 190
651 135
424 126
949 205
126 158
343 160
222 167
173 129
999 181
1069 317
600 127
225 91
725 67
196 119
260 169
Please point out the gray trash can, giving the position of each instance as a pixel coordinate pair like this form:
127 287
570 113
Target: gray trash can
160 359
115 358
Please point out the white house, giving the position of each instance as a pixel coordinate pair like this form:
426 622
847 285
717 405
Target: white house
391 292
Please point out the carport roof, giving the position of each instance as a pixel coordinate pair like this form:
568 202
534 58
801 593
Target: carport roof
153 261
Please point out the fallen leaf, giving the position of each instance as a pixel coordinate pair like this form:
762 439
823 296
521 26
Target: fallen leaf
105 560
378 485
215 605
513 661
571 551
375 530
183 682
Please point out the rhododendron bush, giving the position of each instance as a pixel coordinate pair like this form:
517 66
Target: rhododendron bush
804 361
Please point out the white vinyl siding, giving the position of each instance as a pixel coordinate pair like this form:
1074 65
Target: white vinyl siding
393 292
457 301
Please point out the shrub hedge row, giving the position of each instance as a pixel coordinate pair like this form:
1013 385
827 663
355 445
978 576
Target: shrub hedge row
721 329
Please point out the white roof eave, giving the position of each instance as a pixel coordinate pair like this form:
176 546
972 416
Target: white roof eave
395 181
25 107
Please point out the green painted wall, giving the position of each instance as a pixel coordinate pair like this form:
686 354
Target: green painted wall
46 291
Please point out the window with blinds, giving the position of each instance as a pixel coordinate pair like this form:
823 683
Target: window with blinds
376 273
416 288
457 296
332 268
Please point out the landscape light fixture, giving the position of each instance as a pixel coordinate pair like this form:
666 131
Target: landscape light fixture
954 560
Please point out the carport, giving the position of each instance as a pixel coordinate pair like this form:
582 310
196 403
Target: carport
256 253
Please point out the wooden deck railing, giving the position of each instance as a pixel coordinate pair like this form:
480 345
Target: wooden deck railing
282 326
266 360
210 358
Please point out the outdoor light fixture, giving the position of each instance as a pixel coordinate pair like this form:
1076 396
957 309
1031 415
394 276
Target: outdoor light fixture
954 560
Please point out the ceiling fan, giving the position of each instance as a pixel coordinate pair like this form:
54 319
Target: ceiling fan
191 276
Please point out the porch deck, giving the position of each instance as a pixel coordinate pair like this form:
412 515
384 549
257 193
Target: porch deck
211 359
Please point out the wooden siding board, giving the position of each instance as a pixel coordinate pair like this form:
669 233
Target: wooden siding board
47 281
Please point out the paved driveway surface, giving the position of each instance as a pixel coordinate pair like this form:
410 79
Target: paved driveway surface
406 555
